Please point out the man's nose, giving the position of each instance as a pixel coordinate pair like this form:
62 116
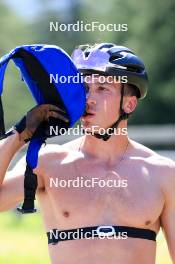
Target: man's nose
90 98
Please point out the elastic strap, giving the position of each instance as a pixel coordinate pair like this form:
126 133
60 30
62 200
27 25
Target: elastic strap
54 236
30 186
30 178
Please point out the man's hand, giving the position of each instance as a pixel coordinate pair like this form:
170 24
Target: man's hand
29 123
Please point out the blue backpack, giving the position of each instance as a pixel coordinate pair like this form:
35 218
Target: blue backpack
36 63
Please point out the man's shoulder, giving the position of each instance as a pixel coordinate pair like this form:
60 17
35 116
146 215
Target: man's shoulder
50 150
152 157
55 154
161 169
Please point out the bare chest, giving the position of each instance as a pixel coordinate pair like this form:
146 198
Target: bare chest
89 194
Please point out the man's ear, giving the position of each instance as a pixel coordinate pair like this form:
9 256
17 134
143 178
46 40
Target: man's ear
130 103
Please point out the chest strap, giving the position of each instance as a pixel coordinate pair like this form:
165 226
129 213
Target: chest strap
118 232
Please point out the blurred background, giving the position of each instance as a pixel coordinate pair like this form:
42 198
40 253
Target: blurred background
150 34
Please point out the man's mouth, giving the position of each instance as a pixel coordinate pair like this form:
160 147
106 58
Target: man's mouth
88 113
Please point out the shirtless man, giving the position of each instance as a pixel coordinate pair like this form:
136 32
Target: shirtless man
148 201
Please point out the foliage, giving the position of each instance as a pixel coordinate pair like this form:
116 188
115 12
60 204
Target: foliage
150 34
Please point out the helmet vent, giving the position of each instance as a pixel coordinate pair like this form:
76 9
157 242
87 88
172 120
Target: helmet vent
115 57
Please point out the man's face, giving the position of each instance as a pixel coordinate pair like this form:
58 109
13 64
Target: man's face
103 102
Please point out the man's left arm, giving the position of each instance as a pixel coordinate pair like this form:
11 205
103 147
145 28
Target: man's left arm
168 213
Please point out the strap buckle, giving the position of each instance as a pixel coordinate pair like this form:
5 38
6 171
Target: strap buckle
105 230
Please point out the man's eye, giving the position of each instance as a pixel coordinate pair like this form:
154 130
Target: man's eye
101 88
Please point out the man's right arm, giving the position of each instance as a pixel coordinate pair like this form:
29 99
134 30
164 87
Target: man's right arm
8 148
12 182
11 189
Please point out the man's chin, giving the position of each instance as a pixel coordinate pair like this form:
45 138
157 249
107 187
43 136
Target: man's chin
88 123
90 127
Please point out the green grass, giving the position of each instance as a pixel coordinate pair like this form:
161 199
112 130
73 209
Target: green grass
162 251
23 240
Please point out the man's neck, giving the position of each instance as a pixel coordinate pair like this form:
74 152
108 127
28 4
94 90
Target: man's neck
108 151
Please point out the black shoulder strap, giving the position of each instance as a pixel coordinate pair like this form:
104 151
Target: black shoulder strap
2 126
